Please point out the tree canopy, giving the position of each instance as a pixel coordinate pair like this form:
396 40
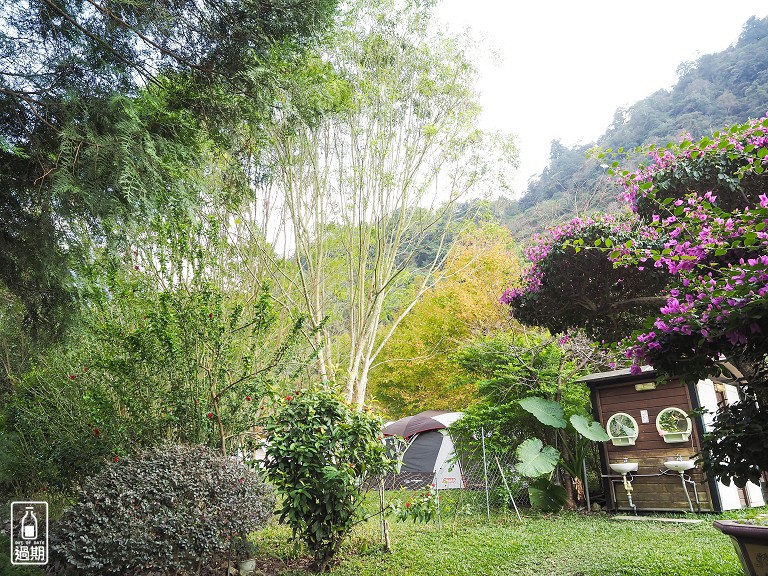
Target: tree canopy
107 108
694 251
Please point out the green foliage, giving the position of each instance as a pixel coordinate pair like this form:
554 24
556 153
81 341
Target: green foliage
547 496
112 111
188 365
536 459
320 453
545 411
590 429
735 448
422 506
418 367
574 442
167 510
510 366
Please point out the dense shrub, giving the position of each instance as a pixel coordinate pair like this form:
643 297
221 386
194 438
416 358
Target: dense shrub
320 453
164 511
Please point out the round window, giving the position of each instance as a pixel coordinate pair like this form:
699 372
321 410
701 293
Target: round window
622 429
673 425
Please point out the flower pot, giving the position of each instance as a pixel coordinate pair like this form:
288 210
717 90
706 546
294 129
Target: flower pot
246 567
751 543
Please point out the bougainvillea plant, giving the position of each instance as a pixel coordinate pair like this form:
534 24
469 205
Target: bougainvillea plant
681 282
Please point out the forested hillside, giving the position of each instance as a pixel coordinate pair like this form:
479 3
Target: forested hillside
716 90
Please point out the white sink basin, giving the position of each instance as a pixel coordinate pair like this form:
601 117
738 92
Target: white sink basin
624 467
679 465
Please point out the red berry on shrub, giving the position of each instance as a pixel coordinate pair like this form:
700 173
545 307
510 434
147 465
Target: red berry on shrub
71 376
116 459
96 432
288 398
407 504
210 414
135 267
248 398
85 368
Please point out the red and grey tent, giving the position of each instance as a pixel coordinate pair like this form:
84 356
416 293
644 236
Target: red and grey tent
429 449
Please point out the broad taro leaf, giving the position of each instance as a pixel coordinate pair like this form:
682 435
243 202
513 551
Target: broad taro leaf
546 411
547 496
589 429
536 459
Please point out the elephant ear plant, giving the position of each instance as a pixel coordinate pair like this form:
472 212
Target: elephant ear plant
539 461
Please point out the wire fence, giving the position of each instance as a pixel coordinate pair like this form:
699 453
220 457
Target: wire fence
472 481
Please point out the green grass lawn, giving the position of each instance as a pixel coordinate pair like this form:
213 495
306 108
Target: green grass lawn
565 544
571 544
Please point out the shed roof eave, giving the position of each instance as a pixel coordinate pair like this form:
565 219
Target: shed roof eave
623 375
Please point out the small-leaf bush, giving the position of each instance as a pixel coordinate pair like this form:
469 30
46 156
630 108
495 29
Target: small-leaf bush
421 506
320 453
166 510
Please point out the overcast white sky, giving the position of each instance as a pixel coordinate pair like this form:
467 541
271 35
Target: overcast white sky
566 66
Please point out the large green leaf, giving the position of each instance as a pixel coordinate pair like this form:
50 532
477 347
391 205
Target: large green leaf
547 496
589 428
546 411
535 459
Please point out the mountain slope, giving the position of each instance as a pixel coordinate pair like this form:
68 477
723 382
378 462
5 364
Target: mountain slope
716 90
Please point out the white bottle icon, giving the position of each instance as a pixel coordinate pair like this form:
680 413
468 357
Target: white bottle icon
29 525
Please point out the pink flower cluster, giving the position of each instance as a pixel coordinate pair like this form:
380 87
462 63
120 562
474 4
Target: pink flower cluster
721 265
717 260
738 144
558 236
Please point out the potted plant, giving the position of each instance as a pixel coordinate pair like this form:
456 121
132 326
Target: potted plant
244 552
750 538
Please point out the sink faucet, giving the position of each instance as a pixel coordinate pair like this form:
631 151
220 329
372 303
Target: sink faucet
679 458
626 459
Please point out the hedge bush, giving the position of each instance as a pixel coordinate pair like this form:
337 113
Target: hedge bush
321 452
168 510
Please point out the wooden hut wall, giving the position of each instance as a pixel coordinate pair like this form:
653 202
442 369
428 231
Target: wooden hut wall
650 451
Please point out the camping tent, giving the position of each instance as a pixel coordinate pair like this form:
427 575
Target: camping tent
428 449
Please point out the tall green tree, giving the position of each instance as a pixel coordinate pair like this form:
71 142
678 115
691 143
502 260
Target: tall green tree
363 187
107 109
418 369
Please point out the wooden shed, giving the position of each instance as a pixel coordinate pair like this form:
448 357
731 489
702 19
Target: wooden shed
649 426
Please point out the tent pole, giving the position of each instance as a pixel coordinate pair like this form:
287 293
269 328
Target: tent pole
485 474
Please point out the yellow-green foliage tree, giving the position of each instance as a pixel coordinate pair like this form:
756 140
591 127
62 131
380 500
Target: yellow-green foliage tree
417 370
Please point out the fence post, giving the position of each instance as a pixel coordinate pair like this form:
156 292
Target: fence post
506 485
586 484
485 474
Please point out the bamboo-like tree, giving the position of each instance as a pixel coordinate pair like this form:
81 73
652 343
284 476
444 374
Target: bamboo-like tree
367 187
